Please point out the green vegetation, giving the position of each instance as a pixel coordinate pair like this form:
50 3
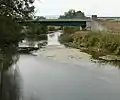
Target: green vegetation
72 14
11 33
36 32
10 30
70 29
52 28
95 43
17 9
66 37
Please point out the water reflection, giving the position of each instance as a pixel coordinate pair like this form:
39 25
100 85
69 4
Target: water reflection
10 80
9 76
114 63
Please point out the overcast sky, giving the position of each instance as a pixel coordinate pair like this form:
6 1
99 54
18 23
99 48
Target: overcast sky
89 7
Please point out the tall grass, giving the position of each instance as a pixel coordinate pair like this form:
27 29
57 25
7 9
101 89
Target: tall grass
70 29
103 41
99 41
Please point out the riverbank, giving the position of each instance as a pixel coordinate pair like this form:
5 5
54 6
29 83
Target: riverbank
98 44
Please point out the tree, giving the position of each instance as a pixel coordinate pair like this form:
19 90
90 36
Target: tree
17 8
9 11
72 14
79 14
9 31
36 31
10 35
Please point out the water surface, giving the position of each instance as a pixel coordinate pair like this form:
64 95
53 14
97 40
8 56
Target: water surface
42 78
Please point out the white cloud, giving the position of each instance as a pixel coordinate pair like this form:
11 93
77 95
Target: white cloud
101 7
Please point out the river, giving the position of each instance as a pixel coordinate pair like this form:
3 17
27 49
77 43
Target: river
59 73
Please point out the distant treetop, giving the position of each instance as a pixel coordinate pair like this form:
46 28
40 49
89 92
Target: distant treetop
72 14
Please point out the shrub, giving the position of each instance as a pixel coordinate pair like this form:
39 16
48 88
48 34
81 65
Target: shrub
52 28
9 31
36 32
100 41
65 38
70 29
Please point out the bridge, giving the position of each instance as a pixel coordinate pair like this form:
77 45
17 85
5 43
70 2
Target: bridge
61 22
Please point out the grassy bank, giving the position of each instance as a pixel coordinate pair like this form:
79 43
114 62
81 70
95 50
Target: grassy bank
95 43
113 26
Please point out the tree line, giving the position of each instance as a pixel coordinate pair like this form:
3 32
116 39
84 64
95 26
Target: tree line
72 14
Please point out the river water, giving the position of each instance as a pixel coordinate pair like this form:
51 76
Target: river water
42 78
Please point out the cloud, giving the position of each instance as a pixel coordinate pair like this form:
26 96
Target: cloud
99 7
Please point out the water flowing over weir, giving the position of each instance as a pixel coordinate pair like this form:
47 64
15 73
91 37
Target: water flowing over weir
58 73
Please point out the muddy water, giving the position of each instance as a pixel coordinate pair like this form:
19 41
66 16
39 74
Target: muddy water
59 73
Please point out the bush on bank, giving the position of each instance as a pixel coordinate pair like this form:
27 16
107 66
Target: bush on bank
70 29
36 32
52 28
9 31
93 41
